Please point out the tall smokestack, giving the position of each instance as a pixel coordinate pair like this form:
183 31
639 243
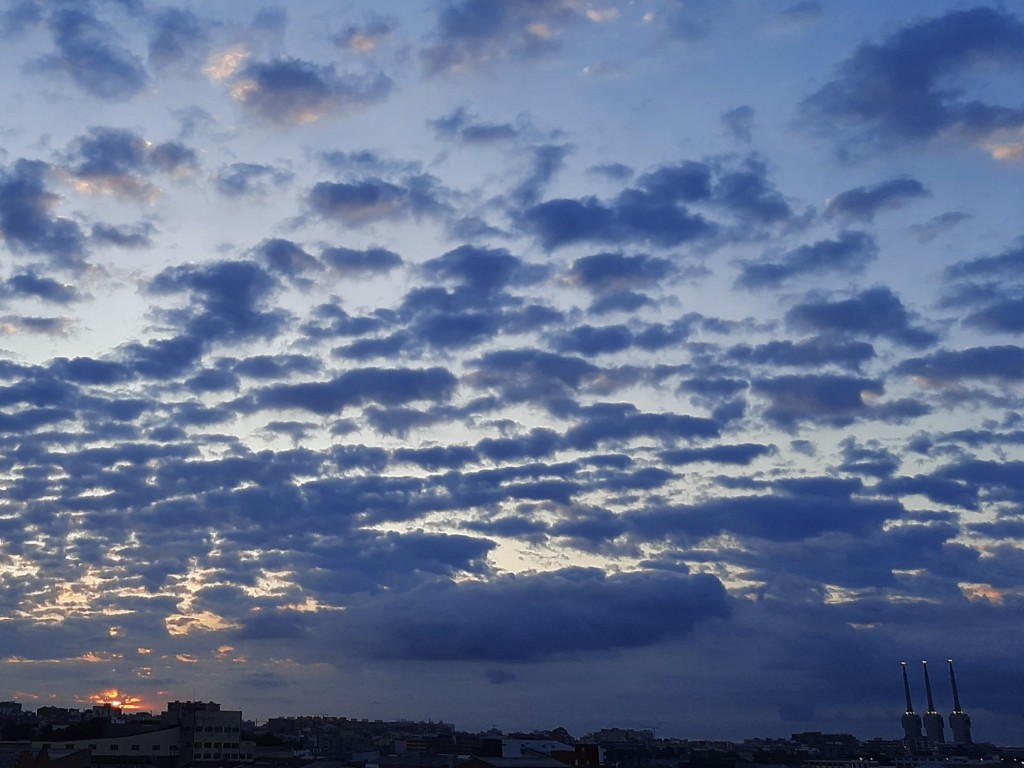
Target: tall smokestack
959 721
910 720
934 727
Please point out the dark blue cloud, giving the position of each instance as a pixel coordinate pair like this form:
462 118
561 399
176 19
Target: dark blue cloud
815 351
369 200
998 364
484 270
397 386
1009 264
289 90
133 236
285 257
539 443
118 160
739 122
276 366
546 161
619 301
212 380
46 288
521 375
436 457
589 341
741 454
108 152
460 124
25 218
791 512
1006 316
871 460
365 37
353 263
848 253
90 54
863 203
583 610
621 422
177 35
899 90
876 312
938 225
228 300
614 171
616 271
245 179
20 17
470 33
635 216
747 194
834 400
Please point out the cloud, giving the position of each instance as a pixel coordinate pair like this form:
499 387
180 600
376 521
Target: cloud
366 37
359 264
285 257
116 161
460 124
848 253
747 194
794 511
739 122
368 200
483 270
177 35
249 179
474 33
1006 316
544 615
601 272
1004 364
827 399
876 312
391 387
621 422
522 375
901 90
938 225
90 54
25 217
130 236
228 300
812 352
590 341
636 216
863 203
741 454
48 289
293 91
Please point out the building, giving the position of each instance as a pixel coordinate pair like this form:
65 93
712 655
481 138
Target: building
208 734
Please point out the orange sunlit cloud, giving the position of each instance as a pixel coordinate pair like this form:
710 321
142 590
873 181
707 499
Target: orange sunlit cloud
116 698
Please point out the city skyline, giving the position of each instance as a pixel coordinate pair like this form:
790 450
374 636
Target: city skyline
549 362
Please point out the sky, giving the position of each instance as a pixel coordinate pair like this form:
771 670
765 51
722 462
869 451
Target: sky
537 363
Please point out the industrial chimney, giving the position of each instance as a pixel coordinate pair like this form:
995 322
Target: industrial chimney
934 728
959 721
911 721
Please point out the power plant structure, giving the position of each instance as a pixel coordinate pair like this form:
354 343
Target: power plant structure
911 720
934 727
959 721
